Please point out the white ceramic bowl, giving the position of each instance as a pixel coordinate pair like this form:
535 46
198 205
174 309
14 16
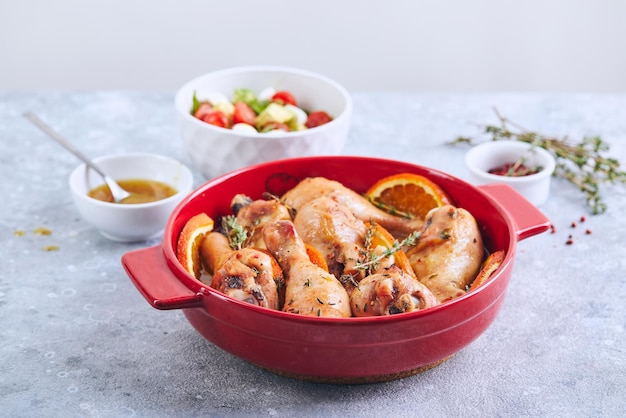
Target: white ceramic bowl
125 222
484 157
214 150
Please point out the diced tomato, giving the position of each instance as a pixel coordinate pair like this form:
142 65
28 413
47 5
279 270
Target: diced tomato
316 119
215 117
203 109
284 97
245 110
243 114
275 126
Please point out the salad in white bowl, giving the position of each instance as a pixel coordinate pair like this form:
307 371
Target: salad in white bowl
240 116
268 111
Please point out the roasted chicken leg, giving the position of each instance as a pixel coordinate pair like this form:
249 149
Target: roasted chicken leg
448 254
390 292
314 187
249 274
252 215
333 230
309 290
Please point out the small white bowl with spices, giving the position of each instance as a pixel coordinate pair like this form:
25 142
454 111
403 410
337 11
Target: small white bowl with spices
526 168
159 183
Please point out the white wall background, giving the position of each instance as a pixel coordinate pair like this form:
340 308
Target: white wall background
418 45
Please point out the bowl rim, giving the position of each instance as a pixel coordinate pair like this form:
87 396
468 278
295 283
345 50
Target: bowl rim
180 191
203 288
486 148
185 115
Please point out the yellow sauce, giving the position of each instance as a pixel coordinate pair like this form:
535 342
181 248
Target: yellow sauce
141 191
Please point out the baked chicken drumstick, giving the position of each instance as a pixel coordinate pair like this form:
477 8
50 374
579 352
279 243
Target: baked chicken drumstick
309 289
314 187
448 254
390 292
249 274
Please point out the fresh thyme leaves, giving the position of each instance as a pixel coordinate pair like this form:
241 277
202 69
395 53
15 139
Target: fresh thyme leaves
237 234
389 209
348 280
582 163
370 259
369 236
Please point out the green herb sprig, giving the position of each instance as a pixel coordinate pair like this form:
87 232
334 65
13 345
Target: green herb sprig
371 260
237 234
582 163
389 209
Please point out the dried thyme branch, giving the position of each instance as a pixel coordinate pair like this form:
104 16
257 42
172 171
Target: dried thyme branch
582 164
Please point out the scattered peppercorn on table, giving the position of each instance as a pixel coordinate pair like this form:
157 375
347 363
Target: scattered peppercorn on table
77 339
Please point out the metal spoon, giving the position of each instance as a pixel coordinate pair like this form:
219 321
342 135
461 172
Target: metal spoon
118 193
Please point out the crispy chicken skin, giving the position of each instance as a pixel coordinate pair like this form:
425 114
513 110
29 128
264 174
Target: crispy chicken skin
333 230
309 290
254 214
314 187
249 274
448 254
390 292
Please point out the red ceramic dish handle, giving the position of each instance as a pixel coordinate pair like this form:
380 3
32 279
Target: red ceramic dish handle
528 219
148 270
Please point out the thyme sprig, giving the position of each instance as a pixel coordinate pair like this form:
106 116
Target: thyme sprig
237 234
389 209
582 163
371 259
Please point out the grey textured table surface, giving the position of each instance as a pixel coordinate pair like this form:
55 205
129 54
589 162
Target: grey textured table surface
77 339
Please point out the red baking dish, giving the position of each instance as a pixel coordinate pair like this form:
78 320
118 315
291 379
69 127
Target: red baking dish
348 350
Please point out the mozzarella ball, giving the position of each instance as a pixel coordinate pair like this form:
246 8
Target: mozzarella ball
244 128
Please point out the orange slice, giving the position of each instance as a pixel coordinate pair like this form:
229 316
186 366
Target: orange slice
407 194
316 257
490 265
382 237
189 240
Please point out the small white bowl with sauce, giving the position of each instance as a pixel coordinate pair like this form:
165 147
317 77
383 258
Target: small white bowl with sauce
483 158
163 181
